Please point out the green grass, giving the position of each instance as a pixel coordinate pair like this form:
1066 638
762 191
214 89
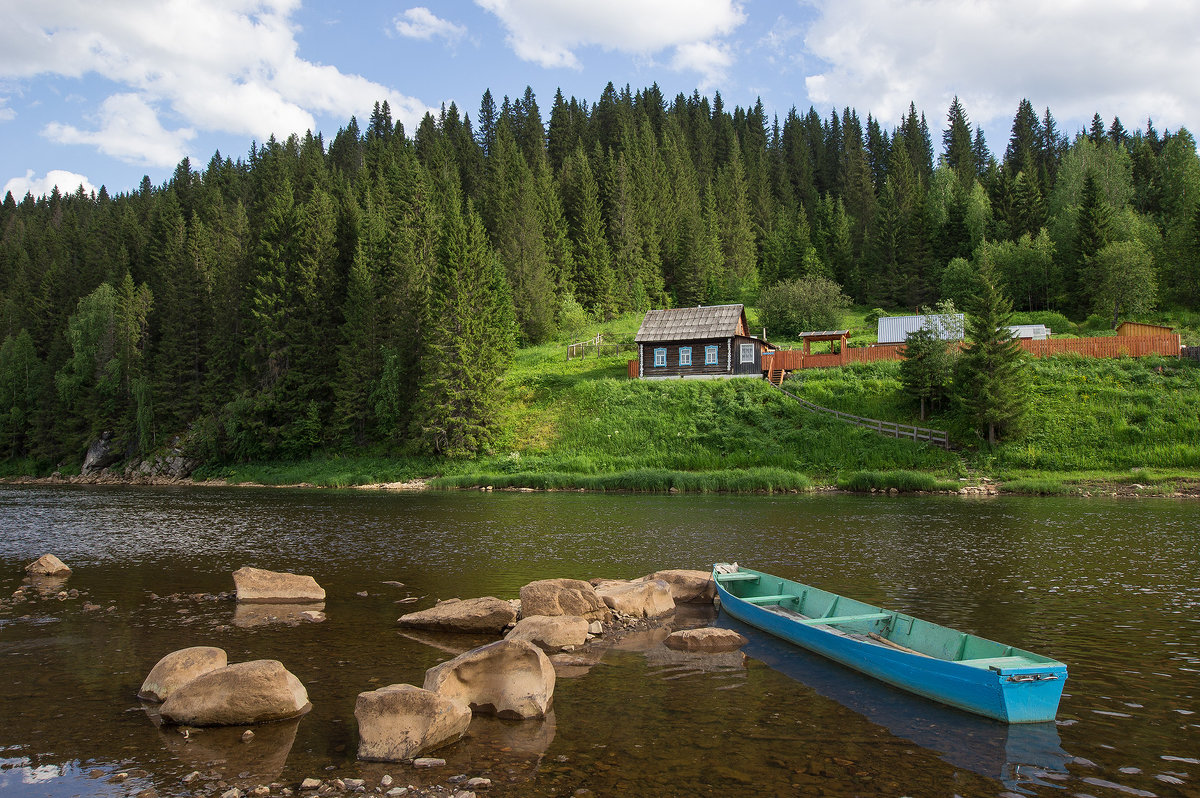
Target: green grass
1037 487
904 481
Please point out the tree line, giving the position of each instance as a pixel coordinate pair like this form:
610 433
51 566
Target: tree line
369 292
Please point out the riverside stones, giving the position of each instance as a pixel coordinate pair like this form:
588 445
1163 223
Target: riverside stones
180 667
551 633
486 615
401 721
648 599
508 678
47 565
563 597
687 586
258 586
245 693
710 639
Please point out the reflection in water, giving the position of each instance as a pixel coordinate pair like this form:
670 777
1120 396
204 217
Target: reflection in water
247 616
221 750
1017 755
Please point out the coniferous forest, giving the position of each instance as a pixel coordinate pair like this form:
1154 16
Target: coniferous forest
368 292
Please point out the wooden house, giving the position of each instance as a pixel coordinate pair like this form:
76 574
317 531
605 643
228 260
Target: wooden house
701 342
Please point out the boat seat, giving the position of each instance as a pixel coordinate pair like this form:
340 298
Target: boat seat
737 577
838 619
1000 662
770 599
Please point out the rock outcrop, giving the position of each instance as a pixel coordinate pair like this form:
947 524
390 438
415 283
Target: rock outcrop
257 586
180 667
103 452
47 565
245 693
710 639
401 721
484 615
563 597
508 678
551 632
642 599
687 586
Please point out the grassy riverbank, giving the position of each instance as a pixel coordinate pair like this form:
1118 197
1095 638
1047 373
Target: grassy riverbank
1127 425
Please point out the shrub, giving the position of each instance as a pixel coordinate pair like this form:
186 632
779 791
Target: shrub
795 306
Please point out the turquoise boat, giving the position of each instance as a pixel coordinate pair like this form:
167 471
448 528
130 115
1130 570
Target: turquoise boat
962 670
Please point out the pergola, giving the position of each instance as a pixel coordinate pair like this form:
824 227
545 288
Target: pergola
824 335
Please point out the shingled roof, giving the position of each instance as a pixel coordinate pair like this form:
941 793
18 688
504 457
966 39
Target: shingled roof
690 324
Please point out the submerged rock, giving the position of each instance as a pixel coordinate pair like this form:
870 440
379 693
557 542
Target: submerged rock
258 586
486 615
563 597
401 721
711 640
509 678
180 667
246 693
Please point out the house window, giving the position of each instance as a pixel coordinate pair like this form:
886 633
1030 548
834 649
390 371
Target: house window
660 357
747 353
710 356
685 356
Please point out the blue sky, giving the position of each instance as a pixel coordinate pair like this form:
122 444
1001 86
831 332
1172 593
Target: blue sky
102 92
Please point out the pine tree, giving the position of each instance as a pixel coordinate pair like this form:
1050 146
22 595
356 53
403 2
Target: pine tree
957 143
593 278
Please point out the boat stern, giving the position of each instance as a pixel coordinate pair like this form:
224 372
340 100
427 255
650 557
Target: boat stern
1031 694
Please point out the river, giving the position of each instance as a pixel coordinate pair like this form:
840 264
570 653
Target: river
1110 587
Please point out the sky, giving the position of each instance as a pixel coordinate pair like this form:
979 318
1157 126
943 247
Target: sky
103 92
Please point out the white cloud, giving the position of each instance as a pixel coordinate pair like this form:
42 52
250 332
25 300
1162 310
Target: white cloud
129 130
421 23
549 32
67 183
227 65
1108 56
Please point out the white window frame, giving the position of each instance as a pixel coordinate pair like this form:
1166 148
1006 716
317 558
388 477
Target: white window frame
685 356
710 355
747 353
660 357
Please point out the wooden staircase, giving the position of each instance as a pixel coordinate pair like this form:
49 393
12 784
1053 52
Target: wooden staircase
775 376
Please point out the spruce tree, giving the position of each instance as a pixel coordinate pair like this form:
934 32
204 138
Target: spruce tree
468 343
991 379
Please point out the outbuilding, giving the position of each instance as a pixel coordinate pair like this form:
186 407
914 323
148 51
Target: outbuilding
702 342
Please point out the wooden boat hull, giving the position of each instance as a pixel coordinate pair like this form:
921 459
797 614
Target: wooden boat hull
1009 685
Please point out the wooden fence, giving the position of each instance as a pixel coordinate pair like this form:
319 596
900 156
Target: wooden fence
1110 346
633 369
935 437
594 345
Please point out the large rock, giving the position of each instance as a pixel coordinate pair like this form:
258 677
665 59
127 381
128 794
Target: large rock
687 586
47 565
508 678
256 586
551 632
103 452
248 692
711 640
180 667
484 615
563 597
401 721
648 599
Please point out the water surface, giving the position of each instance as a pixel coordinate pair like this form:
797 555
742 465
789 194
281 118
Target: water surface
1112 588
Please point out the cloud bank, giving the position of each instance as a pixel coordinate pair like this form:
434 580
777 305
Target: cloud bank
1115 58
691 32
181 67
67 183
